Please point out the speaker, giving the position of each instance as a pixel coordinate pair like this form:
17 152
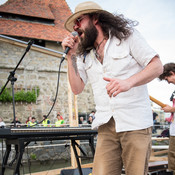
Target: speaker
86 171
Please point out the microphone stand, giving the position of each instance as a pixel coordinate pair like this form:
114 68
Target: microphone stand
12 79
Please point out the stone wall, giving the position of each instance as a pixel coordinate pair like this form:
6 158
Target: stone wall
38 70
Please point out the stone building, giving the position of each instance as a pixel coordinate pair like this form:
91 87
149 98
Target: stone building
42 21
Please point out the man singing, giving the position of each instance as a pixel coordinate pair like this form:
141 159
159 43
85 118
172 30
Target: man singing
118 62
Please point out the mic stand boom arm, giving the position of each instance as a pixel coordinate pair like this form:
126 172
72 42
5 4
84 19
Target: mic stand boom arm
13 79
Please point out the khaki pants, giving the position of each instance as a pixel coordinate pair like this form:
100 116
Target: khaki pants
113 150
171 154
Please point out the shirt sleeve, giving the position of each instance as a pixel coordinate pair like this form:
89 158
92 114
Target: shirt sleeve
140 49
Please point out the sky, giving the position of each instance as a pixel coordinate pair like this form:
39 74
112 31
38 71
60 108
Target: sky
156 23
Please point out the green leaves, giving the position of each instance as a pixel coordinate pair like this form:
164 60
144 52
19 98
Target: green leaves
20 96
6 96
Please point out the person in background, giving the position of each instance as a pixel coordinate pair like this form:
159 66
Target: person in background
82 121
110 53
169 75
28 119
58 113
46 121
2 124
90 120
18 123
92 114
60 120
155 122
32 122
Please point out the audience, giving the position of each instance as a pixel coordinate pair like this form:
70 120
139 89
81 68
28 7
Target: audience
28 119
2 124
82 121
18 123
60 120
32 122
92 114
46 121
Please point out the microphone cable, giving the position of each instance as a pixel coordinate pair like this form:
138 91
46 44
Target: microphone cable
58 80
62 59
74 33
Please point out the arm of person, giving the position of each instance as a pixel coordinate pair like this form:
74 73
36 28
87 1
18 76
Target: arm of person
75 80
151 71
77 84
168 108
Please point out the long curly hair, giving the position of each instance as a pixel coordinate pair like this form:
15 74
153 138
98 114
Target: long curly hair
116 24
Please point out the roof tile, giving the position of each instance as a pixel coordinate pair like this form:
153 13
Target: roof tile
57 10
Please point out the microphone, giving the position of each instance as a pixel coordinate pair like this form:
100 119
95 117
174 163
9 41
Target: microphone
68 48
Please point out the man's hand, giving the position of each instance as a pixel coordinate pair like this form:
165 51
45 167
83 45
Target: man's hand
72 42
116 86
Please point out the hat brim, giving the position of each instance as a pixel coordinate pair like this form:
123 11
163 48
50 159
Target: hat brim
70 21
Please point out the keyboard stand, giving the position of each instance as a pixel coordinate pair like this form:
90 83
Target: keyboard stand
22 142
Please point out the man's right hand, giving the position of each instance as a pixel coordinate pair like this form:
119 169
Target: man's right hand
72 42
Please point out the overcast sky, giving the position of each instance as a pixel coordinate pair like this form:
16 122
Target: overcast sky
156 23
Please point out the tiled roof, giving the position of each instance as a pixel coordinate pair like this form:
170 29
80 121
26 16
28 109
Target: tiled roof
55 10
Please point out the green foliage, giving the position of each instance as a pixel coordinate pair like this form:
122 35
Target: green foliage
30 96
33 156
6 96
20 96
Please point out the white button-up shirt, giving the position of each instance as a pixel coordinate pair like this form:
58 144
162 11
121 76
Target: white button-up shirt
172 126
131 110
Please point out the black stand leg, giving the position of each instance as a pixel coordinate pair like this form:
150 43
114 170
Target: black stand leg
21 147
74 144
16 155
77 157
5 159
91 144
18 160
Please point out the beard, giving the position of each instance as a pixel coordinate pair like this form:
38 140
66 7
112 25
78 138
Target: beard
87 43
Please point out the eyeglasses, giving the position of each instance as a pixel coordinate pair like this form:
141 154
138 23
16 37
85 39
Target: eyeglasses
78 21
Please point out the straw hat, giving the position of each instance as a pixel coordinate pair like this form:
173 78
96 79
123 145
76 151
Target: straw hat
82 8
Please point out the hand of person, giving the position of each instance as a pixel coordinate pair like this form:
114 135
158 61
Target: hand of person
167 108
72 42
116 86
